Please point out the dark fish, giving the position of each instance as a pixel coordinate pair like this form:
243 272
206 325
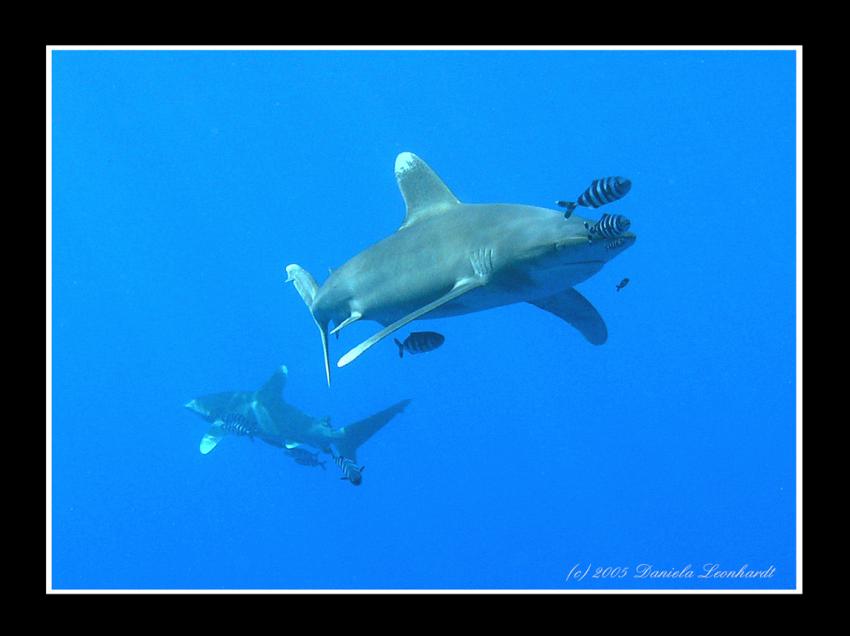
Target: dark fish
351 470
238 424
622 284
610 226
600 192
305 457
419 342
570 206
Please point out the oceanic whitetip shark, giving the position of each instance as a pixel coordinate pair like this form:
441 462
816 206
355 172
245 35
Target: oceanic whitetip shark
450 258
264 414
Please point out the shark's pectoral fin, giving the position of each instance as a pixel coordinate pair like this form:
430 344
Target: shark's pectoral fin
212 437
461 287
575 309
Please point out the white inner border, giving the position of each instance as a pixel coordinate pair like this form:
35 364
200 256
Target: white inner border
799 323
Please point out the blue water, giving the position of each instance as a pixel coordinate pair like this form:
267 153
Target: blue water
185 182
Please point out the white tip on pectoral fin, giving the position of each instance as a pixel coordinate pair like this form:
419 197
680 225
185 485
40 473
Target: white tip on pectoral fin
211 439
461 287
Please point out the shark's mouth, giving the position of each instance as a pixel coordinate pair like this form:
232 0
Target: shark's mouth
614 243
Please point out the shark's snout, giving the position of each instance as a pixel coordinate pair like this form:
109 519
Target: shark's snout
620 242
194 405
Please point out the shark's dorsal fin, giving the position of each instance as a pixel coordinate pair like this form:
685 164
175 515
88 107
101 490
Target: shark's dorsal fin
272 390
424 192
577 310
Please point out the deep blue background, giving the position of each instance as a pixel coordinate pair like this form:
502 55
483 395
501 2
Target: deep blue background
184 183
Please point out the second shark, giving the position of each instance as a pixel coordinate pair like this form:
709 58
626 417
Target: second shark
263 414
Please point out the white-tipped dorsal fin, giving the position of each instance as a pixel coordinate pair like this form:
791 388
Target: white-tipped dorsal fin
424 192
272 390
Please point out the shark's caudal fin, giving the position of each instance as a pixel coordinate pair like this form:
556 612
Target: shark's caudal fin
354 435
424 192
306 286
577 310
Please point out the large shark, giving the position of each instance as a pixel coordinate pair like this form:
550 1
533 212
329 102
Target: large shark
450 258
264 414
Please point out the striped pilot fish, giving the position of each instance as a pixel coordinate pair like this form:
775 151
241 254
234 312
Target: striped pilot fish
304 457
610 226
351 471
238 424
419 342
600 192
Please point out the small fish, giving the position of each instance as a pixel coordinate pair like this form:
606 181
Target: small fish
600 192
622 284
305 457
238 424
568 205
610 226
351 470
419 342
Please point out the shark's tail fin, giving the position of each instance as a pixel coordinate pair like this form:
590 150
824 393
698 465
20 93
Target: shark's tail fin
400 346
355 435
306 286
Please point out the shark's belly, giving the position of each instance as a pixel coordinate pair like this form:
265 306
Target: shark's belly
556 279
477 300
505 289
